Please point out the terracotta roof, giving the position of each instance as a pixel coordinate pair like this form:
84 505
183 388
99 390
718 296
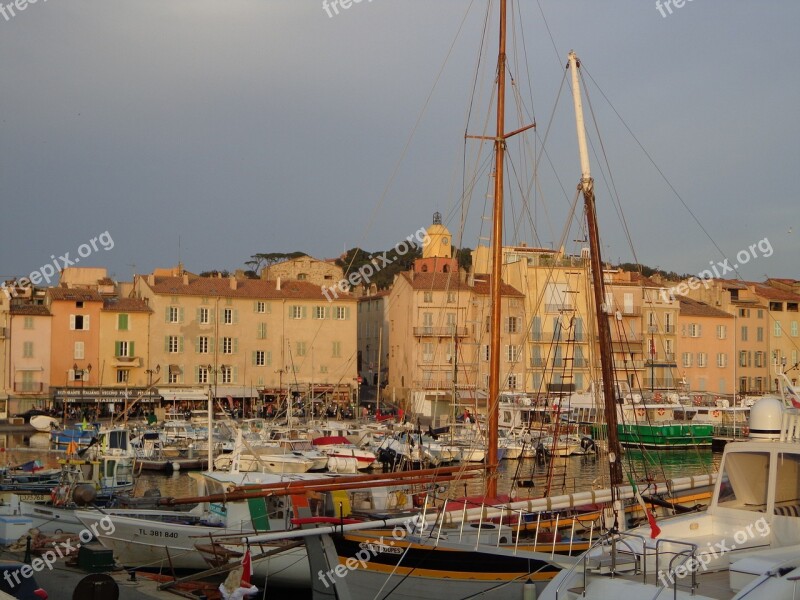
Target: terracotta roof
125 305
245 288
772 293
30 309
694 308
483 287
73 294
105 281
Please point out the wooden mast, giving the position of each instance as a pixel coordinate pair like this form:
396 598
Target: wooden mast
586 186
497 263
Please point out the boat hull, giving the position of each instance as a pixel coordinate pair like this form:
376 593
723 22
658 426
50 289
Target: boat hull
667 436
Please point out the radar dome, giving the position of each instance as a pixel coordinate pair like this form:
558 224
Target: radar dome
765 419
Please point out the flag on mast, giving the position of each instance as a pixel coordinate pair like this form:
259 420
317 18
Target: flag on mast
655 530
247 567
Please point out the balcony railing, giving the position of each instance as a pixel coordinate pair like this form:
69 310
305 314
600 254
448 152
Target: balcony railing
441 383
446 331
28 387
555 308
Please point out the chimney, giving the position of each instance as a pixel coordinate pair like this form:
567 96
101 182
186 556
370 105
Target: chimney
233 282
151 280
185 279
278 284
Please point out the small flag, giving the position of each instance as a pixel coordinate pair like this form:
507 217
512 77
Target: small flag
72 448
655 530
792 396
247 567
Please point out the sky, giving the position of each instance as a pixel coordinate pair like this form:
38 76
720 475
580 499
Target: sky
207 131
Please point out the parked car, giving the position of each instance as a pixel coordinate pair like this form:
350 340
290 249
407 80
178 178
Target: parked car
13 585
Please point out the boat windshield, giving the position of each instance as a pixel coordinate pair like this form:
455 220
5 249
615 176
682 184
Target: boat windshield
744 481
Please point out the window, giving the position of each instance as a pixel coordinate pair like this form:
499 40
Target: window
694 330
341 313
427 297
174 375
122 376
174 343
259 358
687 359
793 329
202 344
79 304
722 332
451 296
512 325
759 334
302 276
79 322
27 350
743 483
319 312
451 321
745 312
722 360
202 374
227 374
702 359
536 329
203 316
228 345
227 316
123 349
78 351
296 312
122 322
511 381
743 358
744 333
261 307
427 322
427 352
759 359
337 350
578 330
777 329
173 314
512 353
261 333
28 323
669 325
760 313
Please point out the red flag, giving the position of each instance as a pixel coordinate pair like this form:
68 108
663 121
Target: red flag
247 568
655 530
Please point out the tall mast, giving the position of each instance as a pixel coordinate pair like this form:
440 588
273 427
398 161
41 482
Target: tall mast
586 186
497 259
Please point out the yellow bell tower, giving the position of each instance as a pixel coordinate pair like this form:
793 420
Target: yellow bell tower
439 240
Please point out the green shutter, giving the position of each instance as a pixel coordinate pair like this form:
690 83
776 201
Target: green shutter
235 316
235 374
131 353
197 315
253 358
211 345
235 345
303 311
117 348
269 358
197 374
166 343
122 322
180 344
180 314
197 344
166 315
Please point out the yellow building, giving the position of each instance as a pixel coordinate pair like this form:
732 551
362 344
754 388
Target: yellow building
243 337
783 337
707 353
659 328
124 340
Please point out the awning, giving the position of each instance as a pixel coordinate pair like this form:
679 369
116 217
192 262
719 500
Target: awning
183 394
235 391
93 394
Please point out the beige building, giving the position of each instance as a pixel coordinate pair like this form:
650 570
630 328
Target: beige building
373 336
124 340
660 333
29 333
305 268
750 324
706 341
244 337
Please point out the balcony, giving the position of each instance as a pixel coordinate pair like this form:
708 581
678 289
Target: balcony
446 331
28 387
441 383
557 308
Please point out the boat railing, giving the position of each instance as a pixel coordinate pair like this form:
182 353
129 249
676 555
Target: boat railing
689 554
582 562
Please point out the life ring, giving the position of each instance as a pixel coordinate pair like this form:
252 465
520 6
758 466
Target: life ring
716 414
640 412
661 412
698 400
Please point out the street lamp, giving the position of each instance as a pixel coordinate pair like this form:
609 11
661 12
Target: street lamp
83 373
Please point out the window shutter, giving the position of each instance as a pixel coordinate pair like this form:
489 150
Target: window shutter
197 315
72 374
166 315
180 344
196 345
212 314
180 315
211 345
117 348
197 374
253 358
235 316
303 311
166 343
235 375
235 345
255 306
131 353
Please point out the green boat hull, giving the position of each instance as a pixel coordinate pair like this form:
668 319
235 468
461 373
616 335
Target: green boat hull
667 436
